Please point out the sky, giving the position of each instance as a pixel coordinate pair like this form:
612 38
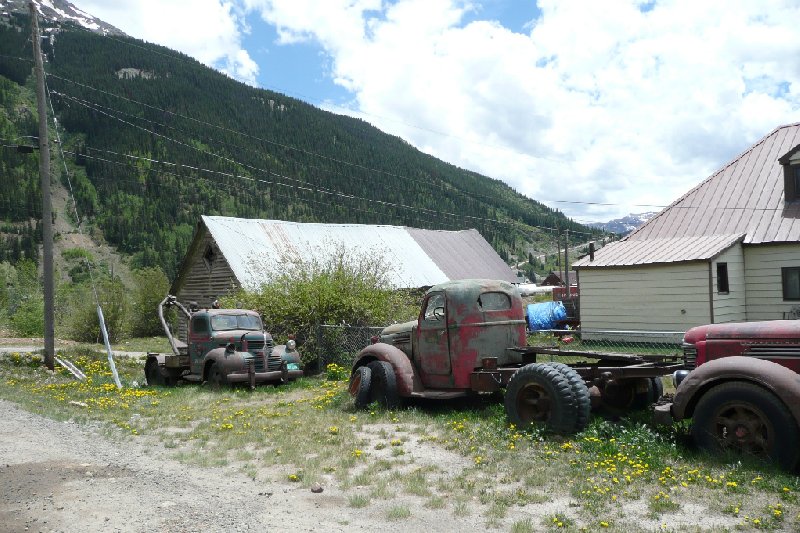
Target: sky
573 103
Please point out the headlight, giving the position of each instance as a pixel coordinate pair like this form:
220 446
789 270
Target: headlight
291 344
293 366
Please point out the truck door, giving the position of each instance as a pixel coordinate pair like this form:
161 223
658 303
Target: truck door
199 335
433 342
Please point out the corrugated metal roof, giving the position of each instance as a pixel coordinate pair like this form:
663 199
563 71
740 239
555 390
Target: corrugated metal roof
746 197
661 250
255 248
462 254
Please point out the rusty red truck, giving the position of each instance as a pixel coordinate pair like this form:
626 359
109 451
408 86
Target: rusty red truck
470 338
223 347
742 390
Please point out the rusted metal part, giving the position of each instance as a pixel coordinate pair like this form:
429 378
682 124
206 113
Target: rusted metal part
406 378
775 340
773 377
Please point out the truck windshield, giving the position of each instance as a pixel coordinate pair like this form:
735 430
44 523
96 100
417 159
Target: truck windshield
229 322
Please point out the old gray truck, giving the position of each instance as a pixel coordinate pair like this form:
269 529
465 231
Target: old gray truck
222 347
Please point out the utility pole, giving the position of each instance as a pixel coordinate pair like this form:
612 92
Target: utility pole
47 214
566 261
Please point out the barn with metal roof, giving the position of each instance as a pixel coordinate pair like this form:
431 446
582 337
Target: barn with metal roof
727 250
230 253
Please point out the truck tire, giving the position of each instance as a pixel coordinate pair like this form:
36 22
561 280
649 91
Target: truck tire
360 386
540 393
383 385
628 394
743 418
581 392
658 389
217 379
152 373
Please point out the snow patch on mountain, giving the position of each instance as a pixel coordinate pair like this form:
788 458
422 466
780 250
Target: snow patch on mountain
61 11
626 224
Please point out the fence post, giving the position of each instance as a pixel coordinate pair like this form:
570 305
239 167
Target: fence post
319 348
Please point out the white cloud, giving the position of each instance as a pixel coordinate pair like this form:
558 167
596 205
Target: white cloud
597 102
208 30
600 102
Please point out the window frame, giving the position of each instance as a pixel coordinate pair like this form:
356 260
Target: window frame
723 280
785 271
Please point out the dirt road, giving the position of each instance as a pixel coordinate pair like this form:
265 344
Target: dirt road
67 477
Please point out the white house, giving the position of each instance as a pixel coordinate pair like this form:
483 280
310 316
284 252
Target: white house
727 250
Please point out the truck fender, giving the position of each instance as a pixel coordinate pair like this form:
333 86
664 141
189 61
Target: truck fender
407 379
781 381
289 356
229 361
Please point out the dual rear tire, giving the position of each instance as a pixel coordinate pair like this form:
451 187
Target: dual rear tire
374 383
552 394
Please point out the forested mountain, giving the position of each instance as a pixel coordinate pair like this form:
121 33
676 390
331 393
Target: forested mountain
153 139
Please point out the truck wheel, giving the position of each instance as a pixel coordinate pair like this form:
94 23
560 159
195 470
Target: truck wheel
743 418
658 389
540 393
152 373
359 386
216 378
581 393
383 386
627 394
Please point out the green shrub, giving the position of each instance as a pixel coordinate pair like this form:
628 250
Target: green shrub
78 310
28 317
344 289
151 286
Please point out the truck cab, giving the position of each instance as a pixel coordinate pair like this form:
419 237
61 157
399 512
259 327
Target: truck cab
460 323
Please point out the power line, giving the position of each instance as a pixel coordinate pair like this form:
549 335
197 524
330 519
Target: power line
210 181
312 187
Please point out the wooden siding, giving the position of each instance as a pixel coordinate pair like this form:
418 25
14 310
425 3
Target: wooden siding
731 307
763 283
203 284
671 297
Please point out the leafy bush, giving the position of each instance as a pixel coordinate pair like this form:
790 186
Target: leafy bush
78 310
344 289
151 286
21 298
28 317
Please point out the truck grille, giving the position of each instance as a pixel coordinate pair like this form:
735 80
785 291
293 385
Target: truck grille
689 355
274 362
258 359
259 351
774 351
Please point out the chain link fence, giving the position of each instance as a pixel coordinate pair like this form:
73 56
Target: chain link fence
340 344
647 343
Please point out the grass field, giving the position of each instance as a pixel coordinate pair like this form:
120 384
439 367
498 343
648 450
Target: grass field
460 457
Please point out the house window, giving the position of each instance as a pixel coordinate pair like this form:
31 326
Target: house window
722 278
208 256
791 283
796 174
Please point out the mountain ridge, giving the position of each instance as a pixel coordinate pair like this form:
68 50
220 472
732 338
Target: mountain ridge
153 139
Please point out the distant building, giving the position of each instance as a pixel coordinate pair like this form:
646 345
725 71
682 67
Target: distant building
230 253
727 250
554 279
